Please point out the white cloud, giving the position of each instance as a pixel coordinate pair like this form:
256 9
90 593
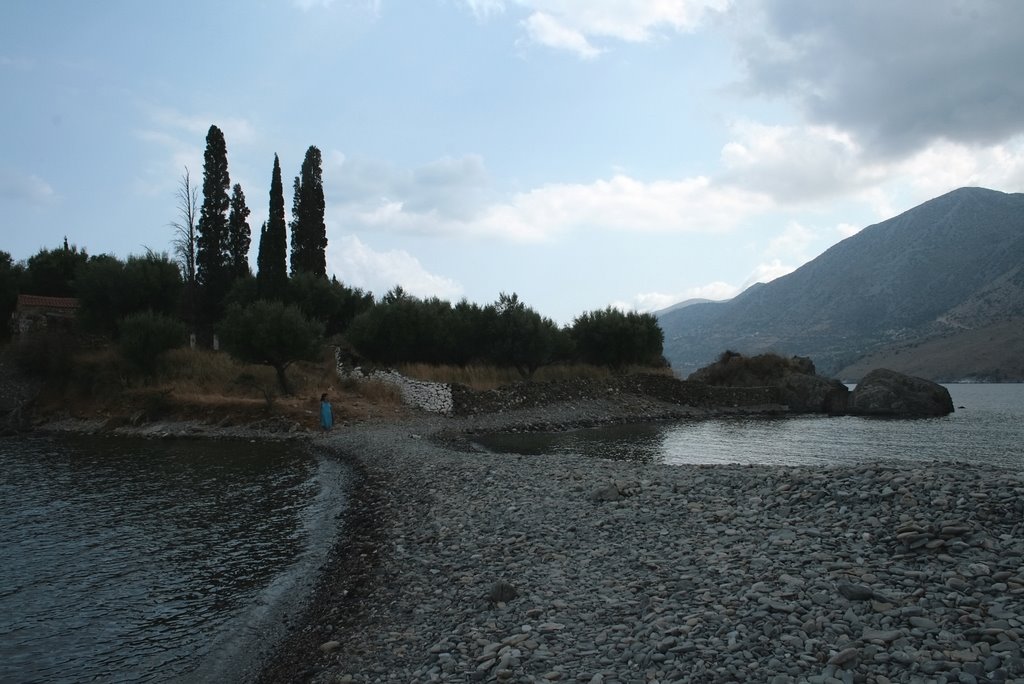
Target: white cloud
846 230
767 272
25 187
453 196
620 204
797 163
574 24
545 29
792 243
237 130
370 6
945 166
817 164
646 302
483 9
357 264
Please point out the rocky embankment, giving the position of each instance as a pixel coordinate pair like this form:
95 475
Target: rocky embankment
466 567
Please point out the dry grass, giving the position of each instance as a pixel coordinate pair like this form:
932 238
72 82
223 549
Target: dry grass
207 385
479 377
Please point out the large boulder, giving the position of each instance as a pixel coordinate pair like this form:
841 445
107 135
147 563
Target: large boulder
813 394
883 392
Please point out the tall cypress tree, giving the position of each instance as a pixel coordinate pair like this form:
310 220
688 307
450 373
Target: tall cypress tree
309 232
239 235
213 270
296 226
272 260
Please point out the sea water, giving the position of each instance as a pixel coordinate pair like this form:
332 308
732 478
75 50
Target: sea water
155 560
987 428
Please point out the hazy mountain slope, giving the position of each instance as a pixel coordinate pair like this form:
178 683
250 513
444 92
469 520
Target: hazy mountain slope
992 353
952 263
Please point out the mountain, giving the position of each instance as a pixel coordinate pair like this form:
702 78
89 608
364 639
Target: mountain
682 305
942 280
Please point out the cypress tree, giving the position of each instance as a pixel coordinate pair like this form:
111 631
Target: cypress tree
212 259
272 260
309 232
239 235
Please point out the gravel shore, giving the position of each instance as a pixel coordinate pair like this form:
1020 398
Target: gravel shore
462 566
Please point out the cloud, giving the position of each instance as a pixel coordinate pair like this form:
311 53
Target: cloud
357 264
237 130
897 76
767 272
484 9
370 6
945 166
453 196
818 164
545 29
792 242
796 163
647 302
427 198
25 187
846 230
574 24
622 204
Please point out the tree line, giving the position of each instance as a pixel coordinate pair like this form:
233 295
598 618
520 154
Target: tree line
149 303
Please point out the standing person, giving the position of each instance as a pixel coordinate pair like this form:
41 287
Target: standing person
326 414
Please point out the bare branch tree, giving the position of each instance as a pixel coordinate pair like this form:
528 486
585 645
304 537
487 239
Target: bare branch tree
184 241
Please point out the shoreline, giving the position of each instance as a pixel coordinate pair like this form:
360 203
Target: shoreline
622 572
458 565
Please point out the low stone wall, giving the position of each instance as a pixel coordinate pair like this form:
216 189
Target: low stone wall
660 387
435 397
446 399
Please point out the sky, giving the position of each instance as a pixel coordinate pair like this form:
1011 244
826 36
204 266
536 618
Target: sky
580 153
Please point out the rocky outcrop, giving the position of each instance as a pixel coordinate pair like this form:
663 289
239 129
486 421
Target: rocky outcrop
813 394
883 392
794 380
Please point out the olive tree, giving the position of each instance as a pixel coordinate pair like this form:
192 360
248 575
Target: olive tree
272 334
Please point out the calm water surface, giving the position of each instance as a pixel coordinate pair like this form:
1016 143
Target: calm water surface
142 560
986 428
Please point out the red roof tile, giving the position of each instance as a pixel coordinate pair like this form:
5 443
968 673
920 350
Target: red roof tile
47 302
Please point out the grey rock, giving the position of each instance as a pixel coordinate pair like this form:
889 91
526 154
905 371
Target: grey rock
883 392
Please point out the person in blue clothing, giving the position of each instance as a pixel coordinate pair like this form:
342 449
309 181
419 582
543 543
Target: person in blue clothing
326 414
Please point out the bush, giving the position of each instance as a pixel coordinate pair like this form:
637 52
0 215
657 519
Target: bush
272 334
616 339
735 370
110 289
145 337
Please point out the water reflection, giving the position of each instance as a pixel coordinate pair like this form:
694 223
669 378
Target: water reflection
989 430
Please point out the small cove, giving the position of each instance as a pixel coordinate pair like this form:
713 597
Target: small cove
156 560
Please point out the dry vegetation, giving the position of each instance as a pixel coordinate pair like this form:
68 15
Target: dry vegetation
197 384
211 386
479 377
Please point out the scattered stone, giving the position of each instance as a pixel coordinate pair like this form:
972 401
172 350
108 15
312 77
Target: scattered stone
502 592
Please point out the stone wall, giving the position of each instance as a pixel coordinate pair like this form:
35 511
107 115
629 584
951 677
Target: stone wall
435 397
449 400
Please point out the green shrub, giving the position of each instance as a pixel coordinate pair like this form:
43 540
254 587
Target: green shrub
272 334
145 337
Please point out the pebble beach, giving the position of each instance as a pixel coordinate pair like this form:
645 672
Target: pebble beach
459 565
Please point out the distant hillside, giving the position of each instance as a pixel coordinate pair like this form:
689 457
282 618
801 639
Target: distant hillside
681 305
943 282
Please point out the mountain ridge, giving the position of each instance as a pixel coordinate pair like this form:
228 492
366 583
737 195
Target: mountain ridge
951 264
